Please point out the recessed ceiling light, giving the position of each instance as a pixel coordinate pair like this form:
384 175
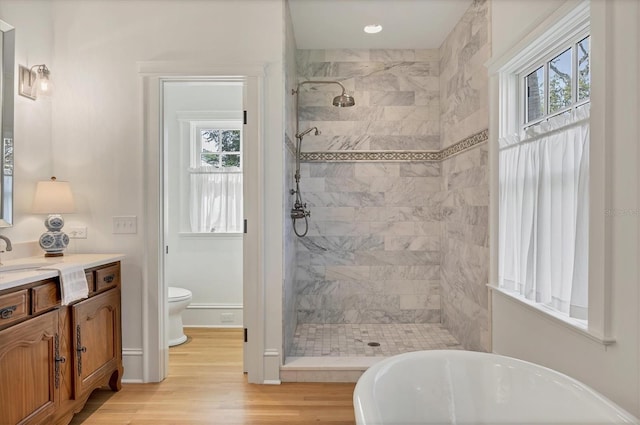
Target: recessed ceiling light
373 28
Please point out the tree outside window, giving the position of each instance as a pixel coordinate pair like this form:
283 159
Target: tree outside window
560 83
220 149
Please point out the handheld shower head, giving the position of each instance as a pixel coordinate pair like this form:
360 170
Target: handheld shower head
307 131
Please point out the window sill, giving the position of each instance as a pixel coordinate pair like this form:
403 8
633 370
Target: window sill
575 325
229 236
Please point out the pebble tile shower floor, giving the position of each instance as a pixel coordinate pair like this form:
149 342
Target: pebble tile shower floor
352 340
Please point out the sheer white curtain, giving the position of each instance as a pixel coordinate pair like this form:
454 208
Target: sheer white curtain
544 213
215 201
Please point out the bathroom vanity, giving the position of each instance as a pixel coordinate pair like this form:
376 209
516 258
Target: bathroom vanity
52 356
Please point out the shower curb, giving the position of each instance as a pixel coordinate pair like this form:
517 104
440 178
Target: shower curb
326 369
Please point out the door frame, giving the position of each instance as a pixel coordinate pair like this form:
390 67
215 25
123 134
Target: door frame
155 353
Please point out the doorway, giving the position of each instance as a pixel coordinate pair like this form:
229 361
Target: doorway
203 199
154 76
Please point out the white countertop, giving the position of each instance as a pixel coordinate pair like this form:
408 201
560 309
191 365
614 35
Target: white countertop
12 278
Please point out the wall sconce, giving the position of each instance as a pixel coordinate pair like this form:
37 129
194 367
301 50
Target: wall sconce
53 197
34 82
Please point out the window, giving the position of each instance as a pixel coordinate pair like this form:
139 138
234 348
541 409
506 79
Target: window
544 176
219 148
215 177
556 85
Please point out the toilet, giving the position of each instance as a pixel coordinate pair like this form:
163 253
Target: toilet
179 299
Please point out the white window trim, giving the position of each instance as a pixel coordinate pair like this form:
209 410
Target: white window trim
567 23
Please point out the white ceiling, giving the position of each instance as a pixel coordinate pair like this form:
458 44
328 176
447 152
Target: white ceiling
407 24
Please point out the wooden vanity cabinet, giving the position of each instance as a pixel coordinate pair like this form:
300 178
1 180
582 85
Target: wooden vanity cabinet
52 357
96 341
28 372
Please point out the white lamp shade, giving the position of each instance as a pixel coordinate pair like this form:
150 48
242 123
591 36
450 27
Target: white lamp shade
53 197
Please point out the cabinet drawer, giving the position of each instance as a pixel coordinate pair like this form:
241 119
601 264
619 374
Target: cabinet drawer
13 307
45 297
107 277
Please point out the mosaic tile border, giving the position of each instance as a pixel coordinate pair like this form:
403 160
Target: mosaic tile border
350 156
397 156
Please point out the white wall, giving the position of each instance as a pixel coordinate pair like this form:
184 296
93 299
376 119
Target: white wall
32 126
208 265
97 117
290 320
525 334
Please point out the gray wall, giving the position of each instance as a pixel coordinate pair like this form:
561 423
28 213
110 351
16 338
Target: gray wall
373 251
465 211
464 81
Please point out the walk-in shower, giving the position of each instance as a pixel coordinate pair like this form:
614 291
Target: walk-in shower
299 210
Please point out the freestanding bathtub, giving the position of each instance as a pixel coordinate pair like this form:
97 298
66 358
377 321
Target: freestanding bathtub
465 387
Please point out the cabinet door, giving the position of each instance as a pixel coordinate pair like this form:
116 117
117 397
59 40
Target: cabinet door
96 339
28 392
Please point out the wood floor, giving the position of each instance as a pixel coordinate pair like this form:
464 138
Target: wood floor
206 386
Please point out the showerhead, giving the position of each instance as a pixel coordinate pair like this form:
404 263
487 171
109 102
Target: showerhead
344 100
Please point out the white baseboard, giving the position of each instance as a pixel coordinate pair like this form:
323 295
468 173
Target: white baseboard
225 326
132 362
132 381
271 359
211 315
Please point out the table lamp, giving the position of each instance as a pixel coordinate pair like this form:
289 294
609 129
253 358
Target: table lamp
53 197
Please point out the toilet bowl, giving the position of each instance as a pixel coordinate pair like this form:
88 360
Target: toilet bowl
179 299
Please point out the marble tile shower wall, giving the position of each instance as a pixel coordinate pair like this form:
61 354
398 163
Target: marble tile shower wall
465 248
465 210
464 80
397 99
372 254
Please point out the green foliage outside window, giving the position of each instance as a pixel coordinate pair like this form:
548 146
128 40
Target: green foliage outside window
562 78
220 148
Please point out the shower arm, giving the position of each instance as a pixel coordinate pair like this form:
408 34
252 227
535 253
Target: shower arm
296 92
299 136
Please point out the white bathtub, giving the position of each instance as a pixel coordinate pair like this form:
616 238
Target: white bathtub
465 387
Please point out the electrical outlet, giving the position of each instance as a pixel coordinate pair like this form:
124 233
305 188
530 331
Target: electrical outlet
76 232
227 317
125 224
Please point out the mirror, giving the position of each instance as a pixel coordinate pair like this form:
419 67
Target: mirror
7 83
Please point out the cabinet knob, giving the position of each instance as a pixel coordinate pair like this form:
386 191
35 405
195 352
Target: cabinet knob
109 278
81 349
